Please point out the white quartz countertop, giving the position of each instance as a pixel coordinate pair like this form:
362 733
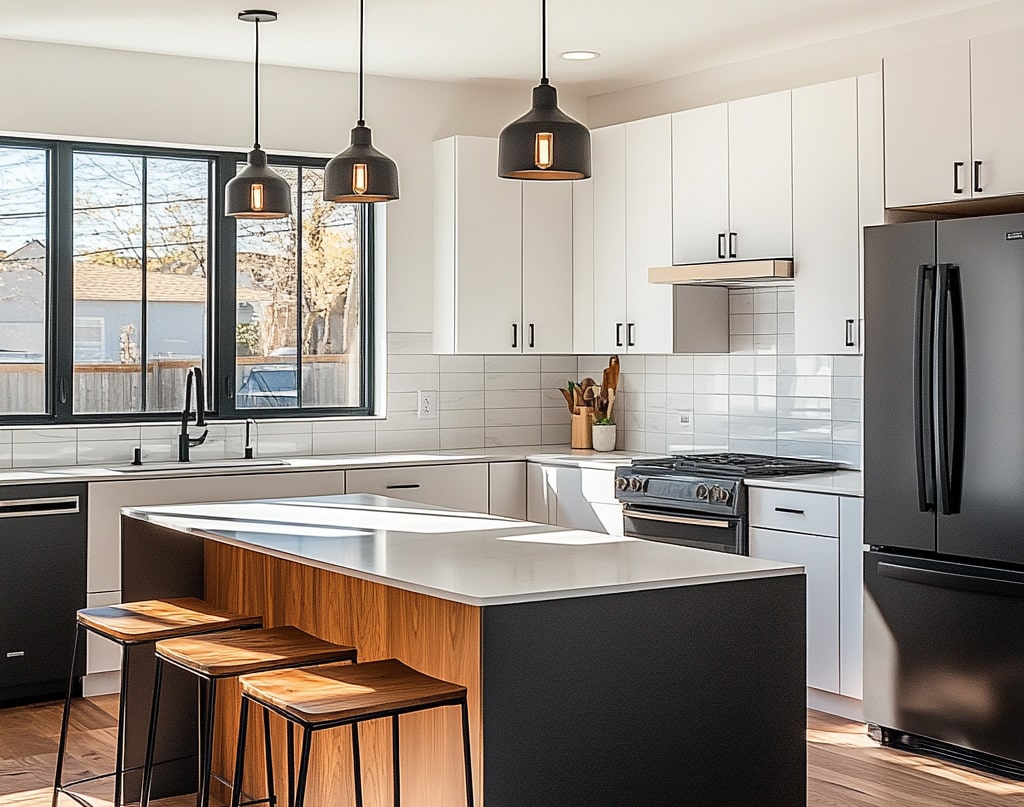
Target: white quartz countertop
839 483
471 558
551 455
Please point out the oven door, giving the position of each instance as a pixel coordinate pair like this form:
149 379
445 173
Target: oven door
700 530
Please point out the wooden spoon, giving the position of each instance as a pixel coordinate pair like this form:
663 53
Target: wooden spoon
568 398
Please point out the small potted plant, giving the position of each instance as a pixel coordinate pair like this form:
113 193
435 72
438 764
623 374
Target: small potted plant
604 434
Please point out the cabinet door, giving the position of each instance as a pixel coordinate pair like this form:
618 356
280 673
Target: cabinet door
820 558
461 487
507 489
851 597
540 493
871 168
997 62
928 125
700 184
608 147
488 238
761 177
648 234
583 266
547 267
826 232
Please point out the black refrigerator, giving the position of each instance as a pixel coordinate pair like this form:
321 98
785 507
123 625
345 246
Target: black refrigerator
944 487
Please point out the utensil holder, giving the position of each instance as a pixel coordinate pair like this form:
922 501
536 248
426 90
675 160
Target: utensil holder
582 428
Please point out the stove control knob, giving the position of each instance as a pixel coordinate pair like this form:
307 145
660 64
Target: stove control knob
621 483
636 484
702 492
719 494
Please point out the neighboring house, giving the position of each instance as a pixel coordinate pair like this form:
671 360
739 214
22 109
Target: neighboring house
108 299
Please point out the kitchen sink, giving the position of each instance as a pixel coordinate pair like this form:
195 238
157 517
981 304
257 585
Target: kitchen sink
156 467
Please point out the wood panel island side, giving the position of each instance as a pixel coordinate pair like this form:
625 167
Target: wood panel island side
600 670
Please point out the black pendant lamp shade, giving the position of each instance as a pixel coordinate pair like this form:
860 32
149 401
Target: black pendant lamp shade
361 174
545 143
257 191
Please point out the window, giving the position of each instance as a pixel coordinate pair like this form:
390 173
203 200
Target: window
118 273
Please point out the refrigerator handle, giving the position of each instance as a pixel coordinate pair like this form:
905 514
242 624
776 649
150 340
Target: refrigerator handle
924 401
950 387
953 580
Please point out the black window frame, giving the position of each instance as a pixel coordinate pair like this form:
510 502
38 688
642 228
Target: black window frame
221 380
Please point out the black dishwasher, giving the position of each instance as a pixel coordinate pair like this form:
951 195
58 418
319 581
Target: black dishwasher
42 584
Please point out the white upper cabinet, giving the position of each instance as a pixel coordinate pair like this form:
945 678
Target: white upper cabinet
503 256
583 266
547 267
928 126
608 153
760 177
648 327
826 219
700 184
997 118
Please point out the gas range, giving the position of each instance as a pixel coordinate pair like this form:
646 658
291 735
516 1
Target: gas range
699 499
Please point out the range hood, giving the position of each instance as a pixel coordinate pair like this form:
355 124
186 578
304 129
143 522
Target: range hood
725 273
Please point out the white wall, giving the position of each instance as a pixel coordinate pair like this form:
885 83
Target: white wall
90 93
851 56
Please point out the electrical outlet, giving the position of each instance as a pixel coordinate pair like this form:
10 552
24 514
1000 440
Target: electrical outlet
685 421
426 404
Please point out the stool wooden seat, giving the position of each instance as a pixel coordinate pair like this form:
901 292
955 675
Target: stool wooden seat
230 654
130 624
333 696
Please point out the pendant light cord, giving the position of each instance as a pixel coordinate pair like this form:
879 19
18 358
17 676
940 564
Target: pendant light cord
544 41
256 83
362 122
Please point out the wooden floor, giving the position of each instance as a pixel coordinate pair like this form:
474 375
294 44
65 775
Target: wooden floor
845 768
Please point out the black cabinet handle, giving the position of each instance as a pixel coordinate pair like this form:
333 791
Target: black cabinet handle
721 245
401 487
789 510
618 334
850 338
515 335
732 245
977 177
531 335
630 334
957 188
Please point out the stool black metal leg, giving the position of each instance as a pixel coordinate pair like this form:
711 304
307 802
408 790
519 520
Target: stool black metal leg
62 743
243 723
395 766
467 761
291 764
268 752
122 715
357 771
300 785
206 746
147 770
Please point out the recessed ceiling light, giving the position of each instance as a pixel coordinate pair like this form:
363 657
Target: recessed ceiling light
580 55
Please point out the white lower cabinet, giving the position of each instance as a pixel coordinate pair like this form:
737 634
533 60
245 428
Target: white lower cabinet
507 489
576 498
824 534
461 487
819 555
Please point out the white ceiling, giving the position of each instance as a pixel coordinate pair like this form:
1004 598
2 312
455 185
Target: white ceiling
471 40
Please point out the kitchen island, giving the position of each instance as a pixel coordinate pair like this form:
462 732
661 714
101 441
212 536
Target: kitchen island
600 670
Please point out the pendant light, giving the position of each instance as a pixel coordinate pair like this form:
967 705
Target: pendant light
545 143
257 191
361 174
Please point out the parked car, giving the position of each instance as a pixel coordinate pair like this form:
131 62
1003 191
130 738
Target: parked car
268 385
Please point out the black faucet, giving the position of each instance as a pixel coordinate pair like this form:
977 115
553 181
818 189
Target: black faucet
184 441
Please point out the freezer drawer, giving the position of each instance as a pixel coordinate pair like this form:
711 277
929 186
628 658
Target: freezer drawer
944 652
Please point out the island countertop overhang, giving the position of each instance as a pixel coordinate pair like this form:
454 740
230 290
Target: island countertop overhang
472 558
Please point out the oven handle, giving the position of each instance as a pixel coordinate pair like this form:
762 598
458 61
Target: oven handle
693 522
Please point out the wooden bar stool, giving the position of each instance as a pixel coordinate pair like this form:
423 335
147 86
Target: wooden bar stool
228 655
334 696
128 624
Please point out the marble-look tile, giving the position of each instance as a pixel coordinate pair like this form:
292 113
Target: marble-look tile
846 431
759 427
678 402
563 365
402 402
632 364
656 364
804 408
766 301
679 365
705 443
6 437
631 440
325 443
632 420
786 301
459 382
462 438
785 344
554 415
766 324
413 382
741 301
805 365
556 434
528 416
413 363
803 386
99 433
849 365
96 452
741 345
343 426
512 399
786 323
656 443
285 444
500 436
406 421
550 396
806 449
848 387
655 401
717 425
711 404
711 384
655 382
512 381
850 453
797 429
413 440
511 364
846 409
767 344
655 422
462 364
741 324
762 406
712 364
43 453
462 418
410 342
6 454
678 443
754 445
679 383
52 434
462 399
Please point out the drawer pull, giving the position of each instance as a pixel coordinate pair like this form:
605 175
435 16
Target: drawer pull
16 654
789 510
56 505
401 487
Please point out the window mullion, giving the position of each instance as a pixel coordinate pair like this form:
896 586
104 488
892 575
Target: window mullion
298 286
144 313
62 306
